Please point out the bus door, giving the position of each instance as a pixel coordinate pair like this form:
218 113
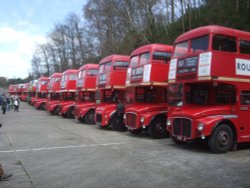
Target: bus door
244 115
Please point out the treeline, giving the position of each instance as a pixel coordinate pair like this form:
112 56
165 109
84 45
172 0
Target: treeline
4 83
119 26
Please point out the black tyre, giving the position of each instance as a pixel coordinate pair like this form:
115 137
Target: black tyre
90 117
64 115
81 120
42 106
157 128
56 110
69 113
117 124
221 140
135 131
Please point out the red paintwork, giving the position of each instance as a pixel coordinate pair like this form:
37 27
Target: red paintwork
12 89
24 93
155 81
51 105
86 86
110 79
32 91
223 71
54 90
68 87
41 92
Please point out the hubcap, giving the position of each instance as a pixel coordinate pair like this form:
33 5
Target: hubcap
223 138
92 117
159 128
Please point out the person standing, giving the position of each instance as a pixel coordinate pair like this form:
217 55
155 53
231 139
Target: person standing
11 102
8 102
4 104
16 104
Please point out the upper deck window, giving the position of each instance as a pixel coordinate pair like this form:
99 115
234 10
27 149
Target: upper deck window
92 72
44 82
106 67
81 74
52 80
134 61
199 44
121 65
58 79
161 57
72 77
181 49
244 47
144 58
63 78
224 43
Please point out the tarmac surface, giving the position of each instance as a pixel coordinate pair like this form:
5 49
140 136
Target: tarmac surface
45 151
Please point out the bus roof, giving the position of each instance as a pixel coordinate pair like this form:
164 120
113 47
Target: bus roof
88 66
215 29
56 74
70 71
43 78
115 57
150 47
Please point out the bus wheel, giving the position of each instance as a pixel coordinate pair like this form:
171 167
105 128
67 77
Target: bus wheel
158 129
70 113
42 106
117 124
90 117
221 140
135 131
64 115
81 120
55 111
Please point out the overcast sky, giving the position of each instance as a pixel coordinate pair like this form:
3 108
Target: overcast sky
23 24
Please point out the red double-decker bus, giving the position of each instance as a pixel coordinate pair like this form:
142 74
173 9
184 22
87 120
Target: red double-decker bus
32 91
85 101
24 93
111 89
146 90
41 93
54 93
209 92
68 93
12 89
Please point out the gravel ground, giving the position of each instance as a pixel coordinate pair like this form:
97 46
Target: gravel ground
49 151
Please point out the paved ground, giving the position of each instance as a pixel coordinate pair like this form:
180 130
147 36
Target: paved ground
48 151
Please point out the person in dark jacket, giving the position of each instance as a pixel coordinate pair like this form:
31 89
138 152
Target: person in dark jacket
4 103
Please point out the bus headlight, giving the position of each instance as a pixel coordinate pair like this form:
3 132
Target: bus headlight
200 126
124 116
168 123
106 116
142 119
